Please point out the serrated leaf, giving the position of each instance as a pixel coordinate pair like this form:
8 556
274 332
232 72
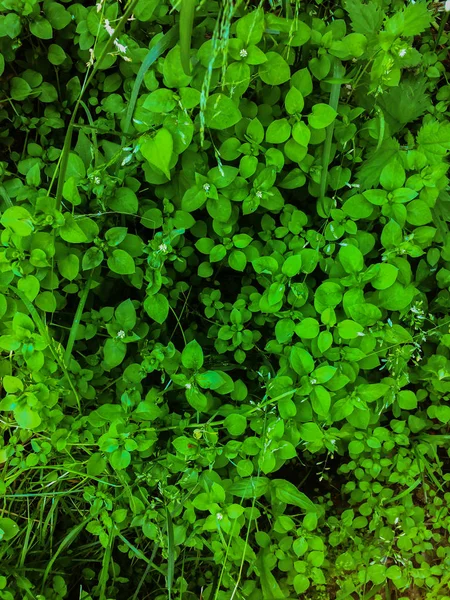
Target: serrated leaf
433 140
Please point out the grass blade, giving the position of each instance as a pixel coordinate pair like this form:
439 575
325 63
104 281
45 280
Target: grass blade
163 44
76 321
334 102
170 552
67 541
186 25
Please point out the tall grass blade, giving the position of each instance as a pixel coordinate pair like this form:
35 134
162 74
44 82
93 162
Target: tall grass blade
164 43
170 553
186 24
334 102
67 541
76 321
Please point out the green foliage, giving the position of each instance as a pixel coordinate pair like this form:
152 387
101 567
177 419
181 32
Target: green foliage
224 298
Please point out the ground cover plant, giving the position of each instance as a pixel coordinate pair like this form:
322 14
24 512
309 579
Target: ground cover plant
224 300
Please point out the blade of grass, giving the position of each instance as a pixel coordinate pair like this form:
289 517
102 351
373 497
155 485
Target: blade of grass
66 542
165 42
68 139
334 102
140 554
146 572
4 194
442 25
76 320
186 24
170 553
104 573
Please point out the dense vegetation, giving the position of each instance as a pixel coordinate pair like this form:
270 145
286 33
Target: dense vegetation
224 300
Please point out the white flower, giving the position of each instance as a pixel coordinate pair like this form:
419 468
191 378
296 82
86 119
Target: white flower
447 6
162 247
219 516
188 386
108 27
243 53
99 6
206 187
121 334
120 47
259 194
402 52
313 381
97 180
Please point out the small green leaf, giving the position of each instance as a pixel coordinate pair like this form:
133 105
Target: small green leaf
322 115
221 112
158 150
192 356
121 262
157 307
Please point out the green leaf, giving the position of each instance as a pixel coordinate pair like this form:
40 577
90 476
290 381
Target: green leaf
124 201
294 101
126 315
157 307
366 17
196 399
397 297
18 220
386 276
8 529
301 583
120 459
278 131
41 28
322 115
275 70
292 265
192 356
301 360
349 330
308 328
418 213
114 353
321 400
158 150
121 262
310 432
235 424
12 385
250 28
254 487
433 140
71 231
221 112
392 235
46 301
27 418
351 258
237 260
287 492
92 258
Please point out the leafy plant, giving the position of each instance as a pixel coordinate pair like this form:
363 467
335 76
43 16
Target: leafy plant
224 297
